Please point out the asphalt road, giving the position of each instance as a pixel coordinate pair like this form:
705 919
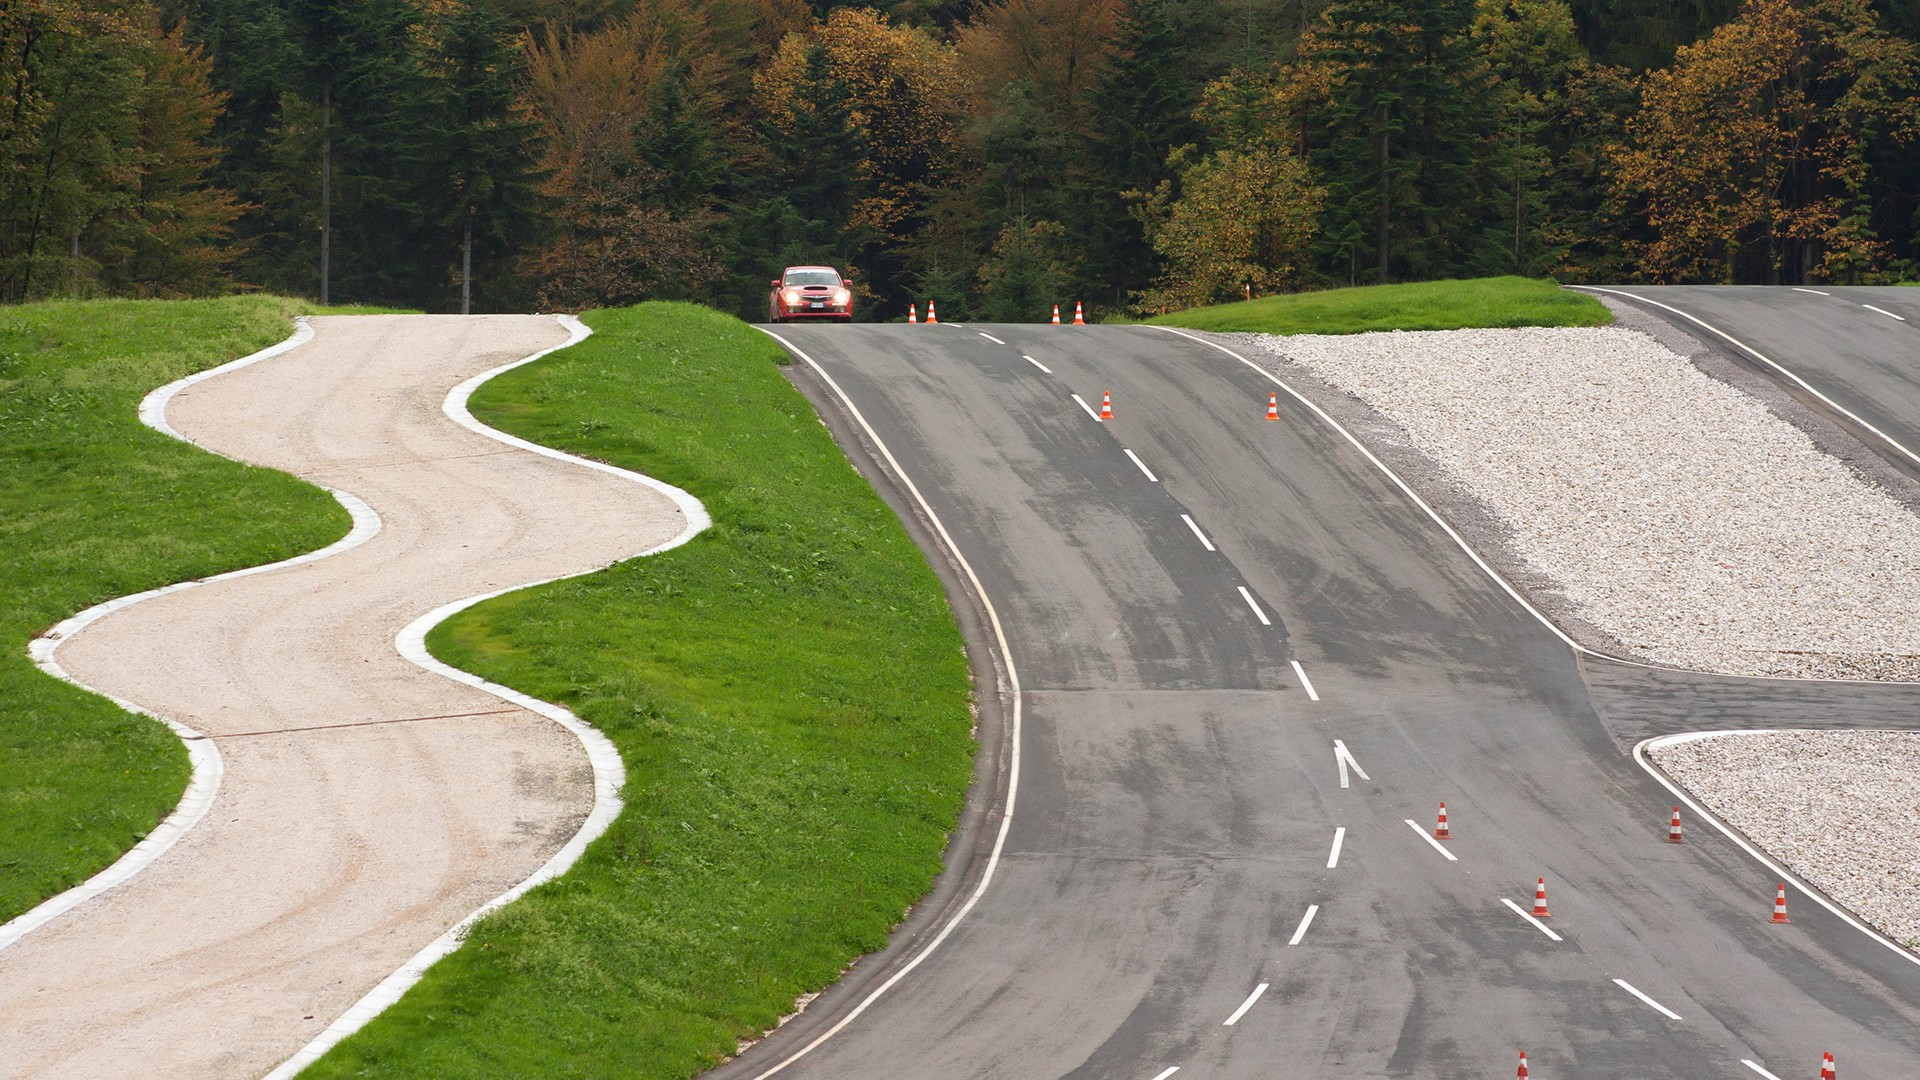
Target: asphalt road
1179 793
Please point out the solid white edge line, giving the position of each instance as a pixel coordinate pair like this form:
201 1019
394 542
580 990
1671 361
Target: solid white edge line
1339 837
1755 1066
1429 838
1305 683
1657 1007
1082 402
1142 464
1758 355
1202 537
989 337
1261 615
1169 1072
1885 312
1346 757
609 772
1049 371
1780 872
206 767
1244 1006
1306 920
1815 292
1486 567
1012 690
1528 915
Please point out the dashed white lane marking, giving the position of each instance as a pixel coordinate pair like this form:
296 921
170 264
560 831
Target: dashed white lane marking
1428 837
1169 1072
1754 1065
1142 464
1049 371
1339 837
1305 921
1244 1006
1344 758
1885 312
1261 615
1082 402
1525 914
1204 542
989 337
1815 292
1306 684
1657 1007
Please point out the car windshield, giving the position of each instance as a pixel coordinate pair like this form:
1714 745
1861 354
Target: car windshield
812 277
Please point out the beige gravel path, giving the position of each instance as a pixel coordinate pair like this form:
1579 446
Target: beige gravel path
331 854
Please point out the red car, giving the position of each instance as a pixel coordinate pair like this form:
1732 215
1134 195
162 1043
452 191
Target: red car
810 292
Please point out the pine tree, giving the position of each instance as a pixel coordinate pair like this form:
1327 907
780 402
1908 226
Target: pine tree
478 188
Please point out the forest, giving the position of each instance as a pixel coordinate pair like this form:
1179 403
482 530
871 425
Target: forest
996 155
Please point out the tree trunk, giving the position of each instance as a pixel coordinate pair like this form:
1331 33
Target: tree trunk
466 266
1386 195
326 194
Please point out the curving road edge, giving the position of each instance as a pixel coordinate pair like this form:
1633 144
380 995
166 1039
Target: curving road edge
609 773
203 757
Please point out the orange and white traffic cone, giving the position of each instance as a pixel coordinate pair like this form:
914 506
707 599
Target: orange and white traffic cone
1826 1068
1273 406
1440 832
1522 1074
931 317
1540 900
1673 830
1780 904
1056 314
1106 406
913 313
1078 318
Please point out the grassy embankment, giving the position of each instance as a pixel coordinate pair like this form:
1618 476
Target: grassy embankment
97 505
1423 305
789 694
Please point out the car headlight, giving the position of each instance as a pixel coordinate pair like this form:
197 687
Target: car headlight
791 296
842 297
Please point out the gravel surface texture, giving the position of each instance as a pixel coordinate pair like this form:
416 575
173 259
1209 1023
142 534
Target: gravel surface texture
1674 514
1841 808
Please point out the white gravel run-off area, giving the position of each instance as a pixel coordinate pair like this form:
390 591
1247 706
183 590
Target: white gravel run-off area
1675 513
1842 808
1679 516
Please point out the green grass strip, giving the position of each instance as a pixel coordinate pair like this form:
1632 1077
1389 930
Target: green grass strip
97 505
1421 305
788 691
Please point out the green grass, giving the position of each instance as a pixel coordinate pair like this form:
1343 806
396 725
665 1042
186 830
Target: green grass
96 505
1423 305
788 691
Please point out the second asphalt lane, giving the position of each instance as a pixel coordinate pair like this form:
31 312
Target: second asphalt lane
1249 661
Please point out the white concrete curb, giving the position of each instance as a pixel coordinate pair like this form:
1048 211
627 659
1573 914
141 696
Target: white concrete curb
609 773
203 756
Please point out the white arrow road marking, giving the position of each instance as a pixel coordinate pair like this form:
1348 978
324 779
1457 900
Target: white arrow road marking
1428 837
1204 542
1305 921
1142 464
1525 914
1339 837
1307 684
1344 758
1261 615
1657 1007
1242 1010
